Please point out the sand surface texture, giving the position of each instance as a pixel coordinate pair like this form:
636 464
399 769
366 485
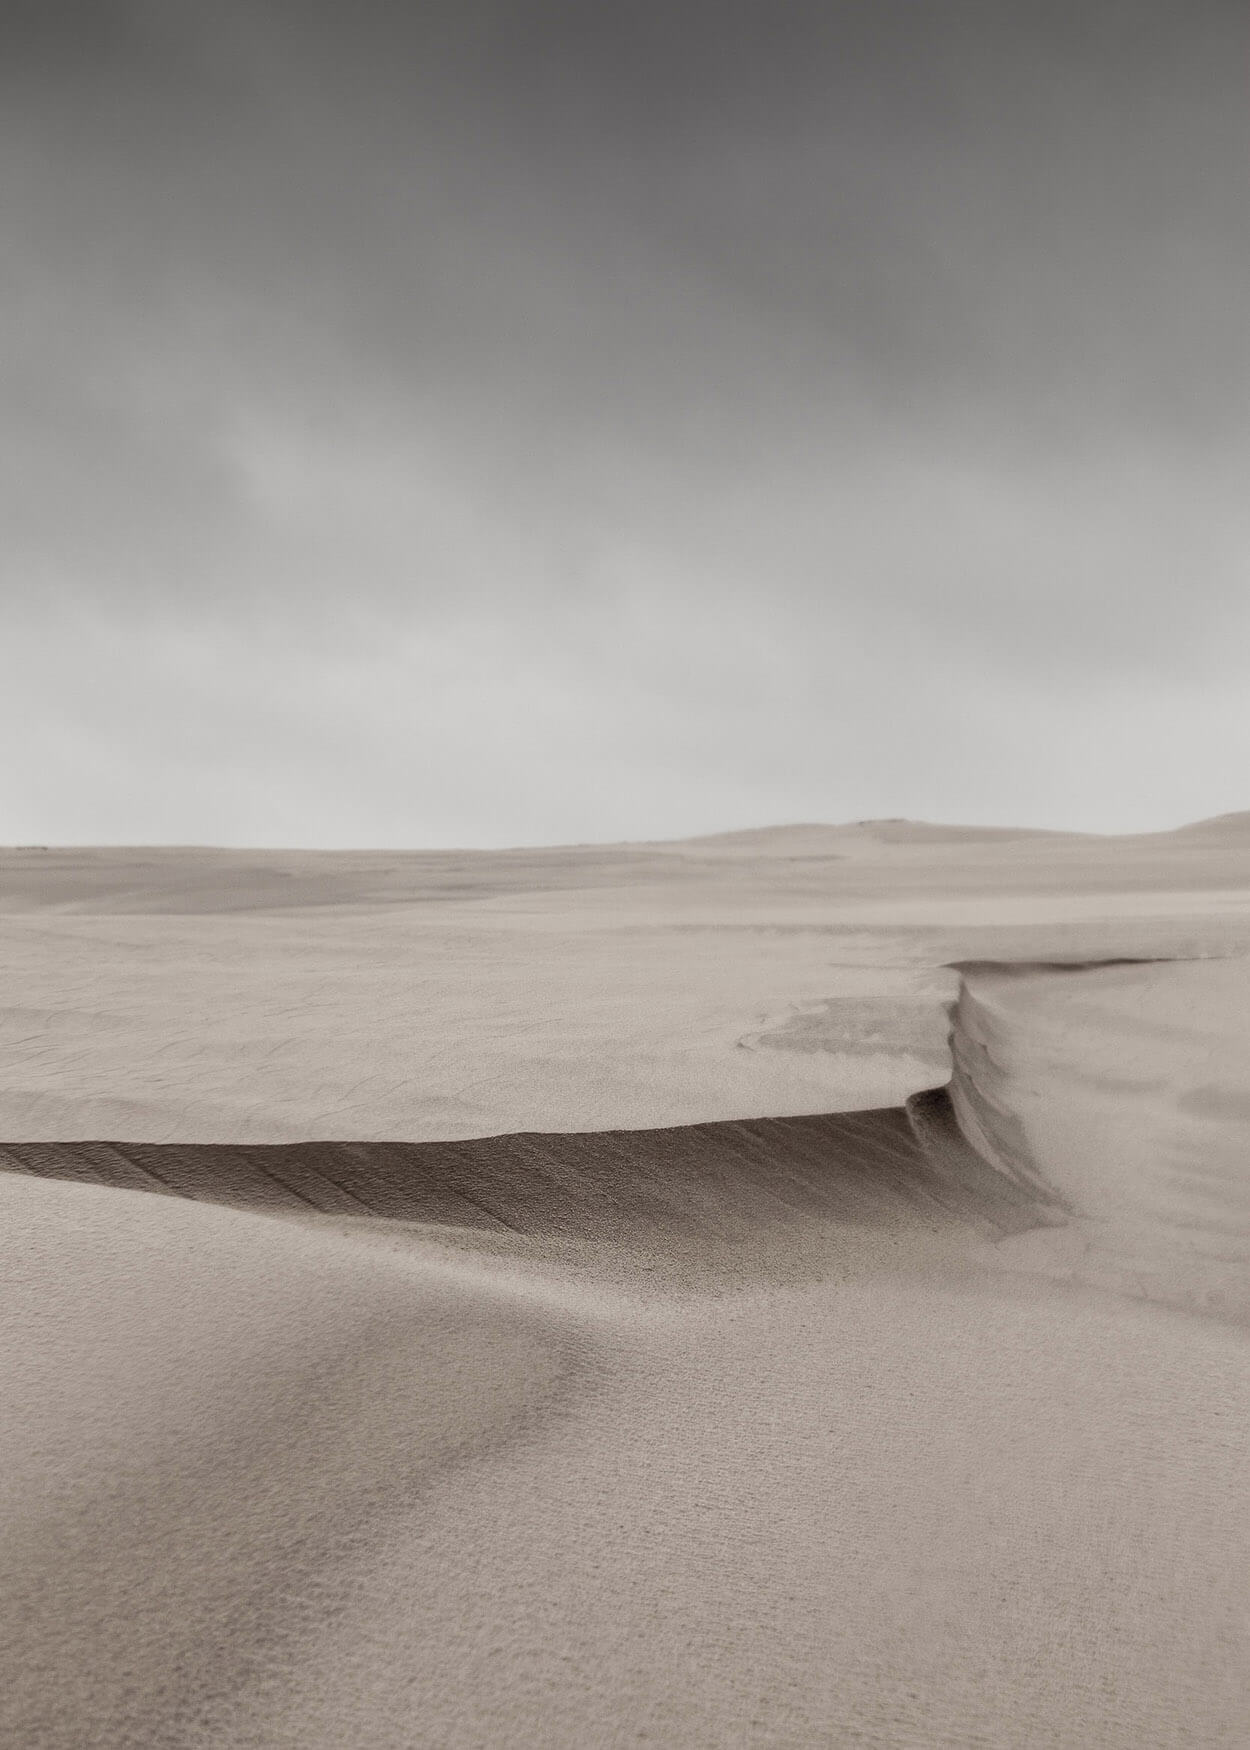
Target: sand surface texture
783 1289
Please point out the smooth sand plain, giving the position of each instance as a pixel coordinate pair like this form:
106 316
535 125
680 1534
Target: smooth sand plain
366 1382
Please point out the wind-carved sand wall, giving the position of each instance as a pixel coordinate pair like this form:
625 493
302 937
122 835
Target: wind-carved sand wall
953 1154
977 1113
1118 1093
1090 1098
709 1182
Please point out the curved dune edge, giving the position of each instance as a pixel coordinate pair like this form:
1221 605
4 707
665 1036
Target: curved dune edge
975 1112
953 1154
957 1153
1123 1085
722 1181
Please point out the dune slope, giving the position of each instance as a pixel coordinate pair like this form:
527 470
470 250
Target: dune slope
710 1180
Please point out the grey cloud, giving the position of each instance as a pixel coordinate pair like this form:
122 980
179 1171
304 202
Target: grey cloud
690 357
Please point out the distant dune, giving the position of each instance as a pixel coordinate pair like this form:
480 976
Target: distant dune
685 1295
1233 825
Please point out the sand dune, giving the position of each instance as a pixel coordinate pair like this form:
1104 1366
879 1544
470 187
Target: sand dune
918 1424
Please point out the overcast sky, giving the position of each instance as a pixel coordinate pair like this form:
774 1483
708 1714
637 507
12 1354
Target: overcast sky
495 421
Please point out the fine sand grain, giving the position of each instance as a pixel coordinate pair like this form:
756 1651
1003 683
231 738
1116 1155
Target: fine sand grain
583 1297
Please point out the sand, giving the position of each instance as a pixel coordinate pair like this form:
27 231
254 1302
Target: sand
583 1297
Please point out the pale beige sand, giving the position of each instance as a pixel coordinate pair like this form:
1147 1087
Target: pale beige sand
217 996
1130 1090
828 1430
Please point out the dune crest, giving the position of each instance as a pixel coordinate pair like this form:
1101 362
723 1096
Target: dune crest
724 1181
937 1157
985 1150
